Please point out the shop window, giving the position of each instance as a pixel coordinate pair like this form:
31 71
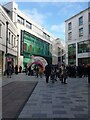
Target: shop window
72 54
83 47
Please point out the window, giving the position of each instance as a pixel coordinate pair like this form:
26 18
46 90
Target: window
80 32
70 36
28 25
9 37
89 29
0 30
30 48
25 47
44 35
47 37
69 26
12 40
72 54
20 20
89 17
83 47
81 21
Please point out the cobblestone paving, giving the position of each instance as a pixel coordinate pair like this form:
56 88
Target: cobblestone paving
58 100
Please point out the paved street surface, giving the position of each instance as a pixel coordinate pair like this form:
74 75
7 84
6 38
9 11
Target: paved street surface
15 93
14 96
19 77
58 100
54 100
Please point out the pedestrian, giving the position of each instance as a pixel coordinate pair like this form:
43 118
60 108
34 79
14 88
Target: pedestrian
40 72
63 74
88 72
37 70
53 74
47 72
20 69
16 69
26 69
29 70
9 70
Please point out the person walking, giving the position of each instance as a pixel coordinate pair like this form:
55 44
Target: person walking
20 69
16 69
53 74
26 69
47 72
63 74
40 72
88 72
37 70
9 70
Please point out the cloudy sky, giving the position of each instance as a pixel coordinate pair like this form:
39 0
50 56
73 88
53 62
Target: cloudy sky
52 15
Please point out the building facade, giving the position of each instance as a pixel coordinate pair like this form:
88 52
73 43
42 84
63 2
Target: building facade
33 38
59 51
8 41
77 35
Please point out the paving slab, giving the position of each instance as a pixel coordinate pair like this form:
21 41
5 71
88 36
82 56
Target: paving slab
58 101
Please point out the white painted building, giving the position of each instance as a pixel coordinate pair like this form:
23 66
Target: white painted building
8 32
77 33
27 24
59 51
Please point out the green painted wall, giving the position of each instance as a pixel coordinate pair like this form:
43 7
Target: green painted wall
35 46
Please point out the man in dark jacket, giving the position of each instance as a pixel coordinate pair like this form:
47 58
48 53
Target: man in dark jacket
47 72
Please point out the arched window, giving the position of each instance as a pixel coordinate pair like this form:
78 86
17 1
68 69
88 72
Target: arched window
30 48
25 47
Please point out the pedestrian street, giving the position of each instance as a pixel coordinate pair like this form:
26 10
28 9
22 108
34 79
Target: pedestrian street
57 100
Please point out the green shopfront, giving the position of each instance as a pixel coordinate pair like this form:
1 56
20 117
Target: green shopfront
72 54
32 45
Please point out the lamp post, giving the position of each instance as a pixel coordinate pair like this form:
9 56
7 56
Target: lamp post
7 23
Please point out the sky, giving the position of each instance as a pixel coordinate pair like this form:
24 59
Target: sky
52 15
